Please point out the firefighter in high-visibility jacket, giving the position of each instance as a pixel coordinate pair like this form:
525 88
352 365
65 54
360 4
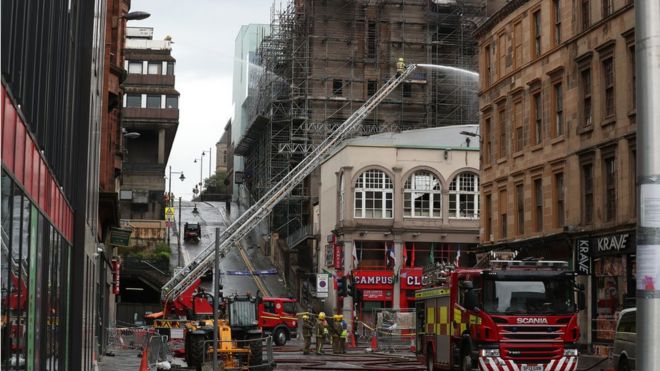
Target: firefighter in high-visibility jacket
343 337
336 333
400 67
308 328
321 332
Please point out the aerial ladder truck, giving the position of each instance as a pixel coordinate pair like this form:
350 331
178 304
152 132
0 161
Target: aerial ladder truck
179 293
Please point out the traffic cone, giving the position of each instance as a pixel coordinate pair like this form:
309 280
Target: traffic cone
353 343
374 343
144 364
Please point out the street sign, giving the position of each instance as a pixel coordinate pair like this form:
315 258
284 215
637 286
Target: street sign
120 236
321 285
169 211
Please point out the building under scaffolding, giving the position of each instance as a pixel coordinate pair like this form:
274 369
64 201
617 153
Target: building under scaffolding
322 59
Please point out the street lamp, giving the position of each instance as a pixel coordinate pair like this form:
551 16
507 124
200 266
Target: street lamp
209 152
201 167
170 203
169 189
136 16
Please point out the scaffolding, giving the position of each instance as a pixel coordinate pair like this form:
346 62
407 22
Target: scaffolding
324 58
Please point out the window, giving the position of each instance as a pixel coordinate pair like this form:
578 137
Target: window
337 87
627 323
559 199
610 188
501 118
587 111
633 80
537 116
608 8
153 101
608 84
557 13
464 196
372 87
488 228
487 63
172 101
170 68
371 40
633 182
587 193
559 110
537 32
407 90
586 14
133 100
487 144
154 67
373 195
501 56
520 209
422 196
502 206
517 124
538 204
517 41
135 67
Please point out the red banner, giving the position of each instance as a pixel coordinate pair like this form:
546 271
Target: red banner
373 279
116 267
377 295
411 278
338 257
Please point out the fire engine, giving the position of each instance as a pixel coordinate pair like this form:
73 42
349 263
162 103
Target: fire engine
513 315
277 317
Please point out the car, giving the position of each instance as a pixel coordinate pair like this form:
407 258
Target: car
192 231
625 341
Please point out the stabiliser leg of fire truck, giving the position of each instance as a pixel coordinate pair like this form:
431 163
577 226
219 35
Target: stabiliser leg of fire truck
190 275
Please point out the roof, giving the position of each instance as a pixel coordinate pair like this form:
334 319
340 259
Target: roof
445 137
493 20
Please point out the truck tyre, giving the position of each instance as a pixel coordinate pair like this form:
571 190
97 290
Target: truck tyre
279 336
466 363
195 351
623 365
256 353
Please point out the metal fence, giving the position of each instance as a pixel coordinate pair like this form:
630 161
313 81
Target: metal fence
128 337
395 329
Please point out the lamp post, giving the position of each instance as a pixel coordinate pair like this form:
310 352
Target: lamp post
201 168
209 152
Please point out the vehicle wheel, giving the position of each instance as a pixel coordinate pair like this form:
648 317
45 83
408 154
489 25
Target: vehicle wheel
256 353
279 337
623 365
466 363
430 359
195 351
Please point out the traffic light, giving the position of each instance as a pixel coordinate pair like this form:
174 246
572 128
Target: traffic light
350 290
341 286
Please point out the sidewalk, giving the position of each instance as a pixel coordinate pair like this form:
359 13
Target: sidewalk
124 359
593 363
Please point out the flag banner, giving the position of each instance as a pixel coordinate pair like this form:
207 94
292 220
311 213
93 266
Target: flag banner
431 257
405 253
412 258
356 262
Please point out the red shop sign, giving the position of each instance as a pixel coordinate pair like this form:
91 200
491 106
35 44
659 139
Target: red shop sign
411 278
377 295
338 257
373 279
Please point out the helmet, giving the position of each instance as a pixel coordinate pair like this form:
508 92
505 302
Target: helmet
305 317
400 59
340 316
336 317
322 315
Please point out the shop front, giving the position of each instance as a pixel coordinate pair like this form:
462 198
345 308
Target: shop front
610 263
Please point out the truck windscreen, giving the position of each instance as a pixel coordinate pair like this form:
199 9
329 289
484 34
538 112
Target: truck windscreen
547 295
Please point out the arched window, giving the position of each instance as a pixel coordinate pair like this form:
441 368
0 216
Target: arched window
464 196
373 195
422 196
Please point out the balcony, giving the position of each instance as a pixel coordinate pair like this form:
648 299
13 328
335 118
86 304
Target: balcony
150 114
143 168
135 79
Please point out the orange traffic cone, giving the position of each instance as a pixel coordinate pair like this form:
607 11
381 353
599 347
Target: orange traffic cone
353 343
374 343
144 364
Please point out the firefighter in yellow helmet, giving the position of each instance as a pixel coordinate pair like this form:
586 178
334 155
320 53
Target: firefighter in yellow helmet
307 329
321 332
336 332
400 67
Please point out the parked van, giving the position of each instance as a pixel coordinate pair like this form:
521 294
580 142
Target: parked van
625 339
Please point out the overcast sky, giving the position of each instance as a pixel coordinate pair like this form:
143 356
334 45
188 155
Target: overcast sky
203 32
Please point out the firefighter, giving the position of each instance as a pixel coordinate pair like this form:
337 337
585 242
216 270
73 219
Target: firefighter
336 333
343 337
400 67
308 327
321 332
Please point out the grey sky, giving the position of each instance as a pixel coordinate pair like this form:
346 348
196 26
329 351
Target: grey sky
203 32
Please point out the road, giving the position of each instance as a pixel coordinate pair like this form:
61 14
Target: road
212 215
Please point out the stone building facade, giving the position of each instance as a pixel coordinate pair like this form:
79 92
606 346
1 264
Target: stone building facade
557 126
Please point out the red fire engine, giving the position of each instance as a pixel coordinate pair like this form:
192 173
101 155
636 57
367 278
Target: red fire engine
514 315
277 317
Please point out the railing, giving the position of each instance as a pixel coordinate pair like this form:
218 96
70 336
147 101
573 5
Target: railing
299 236
137 114
253 354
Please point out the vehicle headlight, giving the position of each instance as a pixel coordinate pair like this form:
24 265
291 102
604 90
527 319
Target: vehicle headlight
295 323
255 322
490 353
570 352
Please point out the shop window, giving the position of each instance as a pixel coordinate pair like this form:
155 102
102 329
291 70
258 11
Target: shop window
153 101
374 195
172 101
611 275
371 254
422 196
464 196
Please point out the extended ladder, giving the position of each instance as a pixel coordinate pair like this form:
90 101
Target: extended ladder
260 210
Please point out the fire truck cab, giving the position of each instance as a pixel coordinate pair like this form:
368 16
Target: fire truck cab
277 317
514 315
